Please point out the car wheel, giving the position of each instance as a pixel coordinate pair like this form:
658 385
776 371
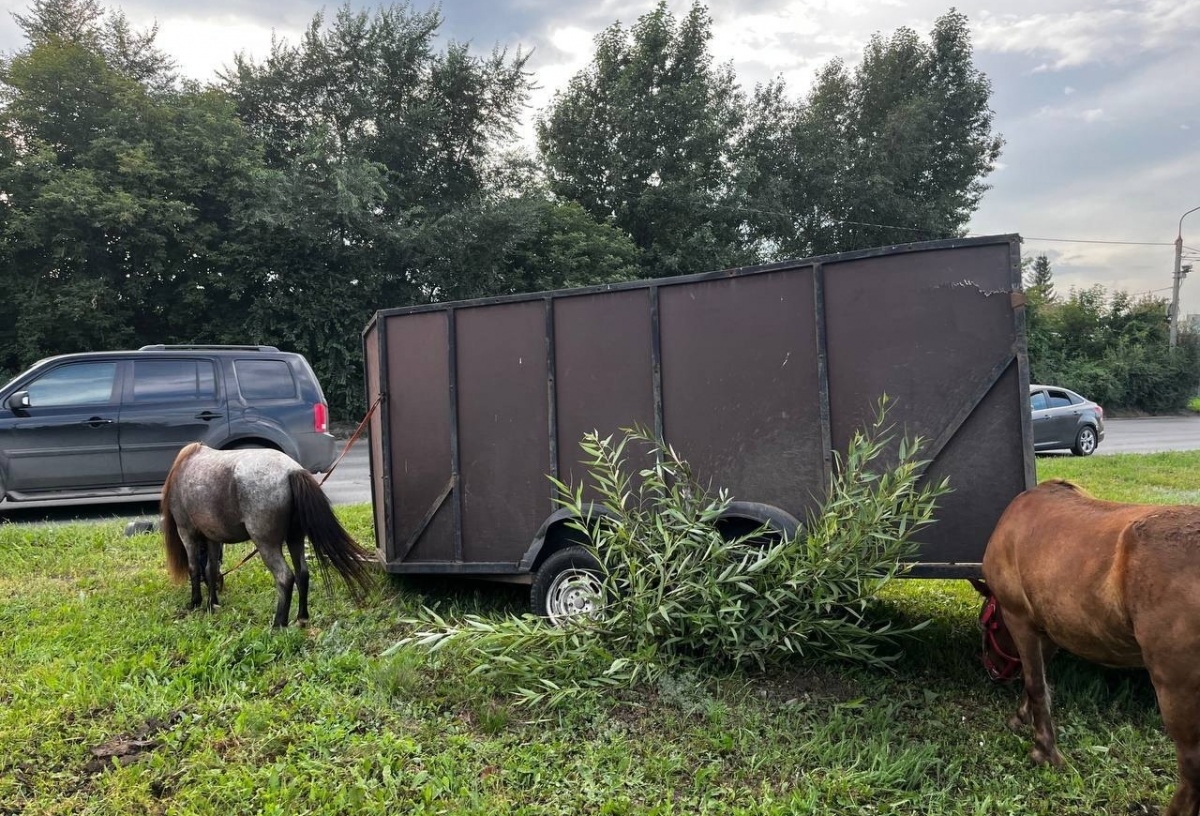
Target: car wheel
567 584
1085 442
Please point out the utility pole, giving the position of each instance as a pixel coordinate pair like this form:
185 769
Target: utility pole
1178 278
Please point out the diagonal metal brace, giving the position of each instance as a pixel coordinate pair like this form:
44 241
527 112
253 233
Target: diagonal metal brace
425 522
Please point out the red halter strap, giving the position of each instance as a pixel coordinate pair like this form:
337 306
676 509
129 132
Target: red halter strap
991 621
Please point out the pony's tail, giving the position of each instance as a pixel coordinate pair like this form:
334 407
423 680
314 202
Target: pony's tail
177 559
333 546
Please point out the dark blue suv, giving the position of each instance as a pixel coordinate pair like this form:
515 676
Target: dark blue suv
105 424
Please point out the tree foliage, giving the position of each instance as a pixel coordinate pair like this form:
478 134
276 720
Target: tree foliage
645 134
1108 346
116 188
372 165
892 151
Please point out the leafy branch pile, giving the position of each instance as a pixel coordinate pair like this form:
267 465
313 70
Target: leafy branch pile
677 591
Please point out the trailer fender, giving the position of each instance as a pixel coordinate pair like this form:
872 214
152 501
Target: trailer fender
557 527
744 517
740 518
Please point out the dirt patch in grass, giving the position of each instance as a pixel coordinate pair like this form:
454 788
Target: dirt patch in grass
129 748
808 682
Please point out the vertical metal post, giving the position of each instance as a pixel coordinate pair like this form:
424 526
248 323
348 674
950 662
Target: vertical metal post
1178 278
656 365
388 545
455 453
1021 349
552 399
823 370
1175 287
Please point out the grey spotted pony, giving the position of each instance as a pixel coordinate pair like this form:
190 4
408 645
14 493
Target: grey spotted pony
212 498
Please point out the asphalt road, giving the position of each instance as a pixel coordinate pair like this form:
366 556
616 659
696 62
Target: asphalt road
350 482
1150 435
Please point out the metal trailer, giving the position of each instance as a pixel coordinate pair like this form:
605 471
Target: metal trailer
755 375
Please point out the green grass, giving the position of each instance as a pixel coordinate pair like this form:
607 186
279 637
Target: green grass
1194 404
1157 478
95 647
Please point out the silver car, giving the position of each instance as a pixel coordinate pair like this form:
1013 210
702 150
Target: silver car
1063 419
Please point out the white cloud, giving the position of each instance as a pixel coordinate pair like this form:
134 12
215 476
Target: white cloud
190 40
1140 203
569 52
1076 37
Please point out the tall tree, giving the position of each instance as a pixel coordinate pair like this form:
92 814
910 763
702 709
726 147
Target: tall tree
117 190
75 21
1041 279
379 149
894 151
643 136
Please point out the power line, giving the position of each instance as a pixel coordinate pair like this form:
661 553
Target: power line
937 234
1087 241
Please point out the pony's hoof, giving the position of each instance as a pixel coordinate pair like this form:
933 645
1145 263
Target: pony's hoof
1016 723
302 623
1054 758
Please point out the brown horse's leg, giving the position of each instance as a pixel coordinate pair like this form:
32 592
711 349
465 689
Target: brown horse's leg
1024 716
1179 702
1035 649
272 556
300 565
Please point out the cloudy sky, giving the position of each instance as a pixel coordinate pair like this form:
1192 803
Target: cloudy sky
1098 100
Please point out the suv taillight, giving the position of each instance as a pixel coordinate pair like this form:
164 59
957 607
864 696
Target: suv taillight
1100 411
320 418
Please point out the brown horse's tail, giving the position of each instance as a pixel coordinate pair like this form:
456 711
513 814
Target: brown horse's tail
313 516
177 559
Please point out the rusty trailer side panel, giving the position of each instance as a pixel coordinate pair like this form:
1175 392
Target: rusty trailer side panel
757 376
602 387
742 396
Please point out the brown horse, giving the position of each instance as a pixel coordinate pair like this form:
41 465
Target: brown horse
212 498
1117 584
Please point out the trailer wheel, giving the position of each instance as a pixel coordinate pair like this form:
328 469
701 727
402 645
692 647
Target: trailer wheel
567 584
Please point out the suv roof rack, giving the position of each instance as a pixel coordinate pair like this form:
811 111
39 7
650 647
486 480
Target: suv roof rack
214 347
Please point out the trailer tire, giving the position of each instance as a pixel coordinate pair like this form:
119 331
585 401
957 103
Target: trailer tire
568 583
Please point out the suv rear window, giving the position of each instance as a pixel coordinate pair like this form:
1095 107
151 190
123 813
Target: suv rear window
265 379
171 380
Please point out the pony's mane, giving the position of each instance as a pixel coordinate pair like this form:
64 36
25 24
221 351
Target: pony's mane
177 562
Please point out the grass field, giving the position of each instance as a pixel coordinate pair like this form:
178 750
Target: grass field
198 713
